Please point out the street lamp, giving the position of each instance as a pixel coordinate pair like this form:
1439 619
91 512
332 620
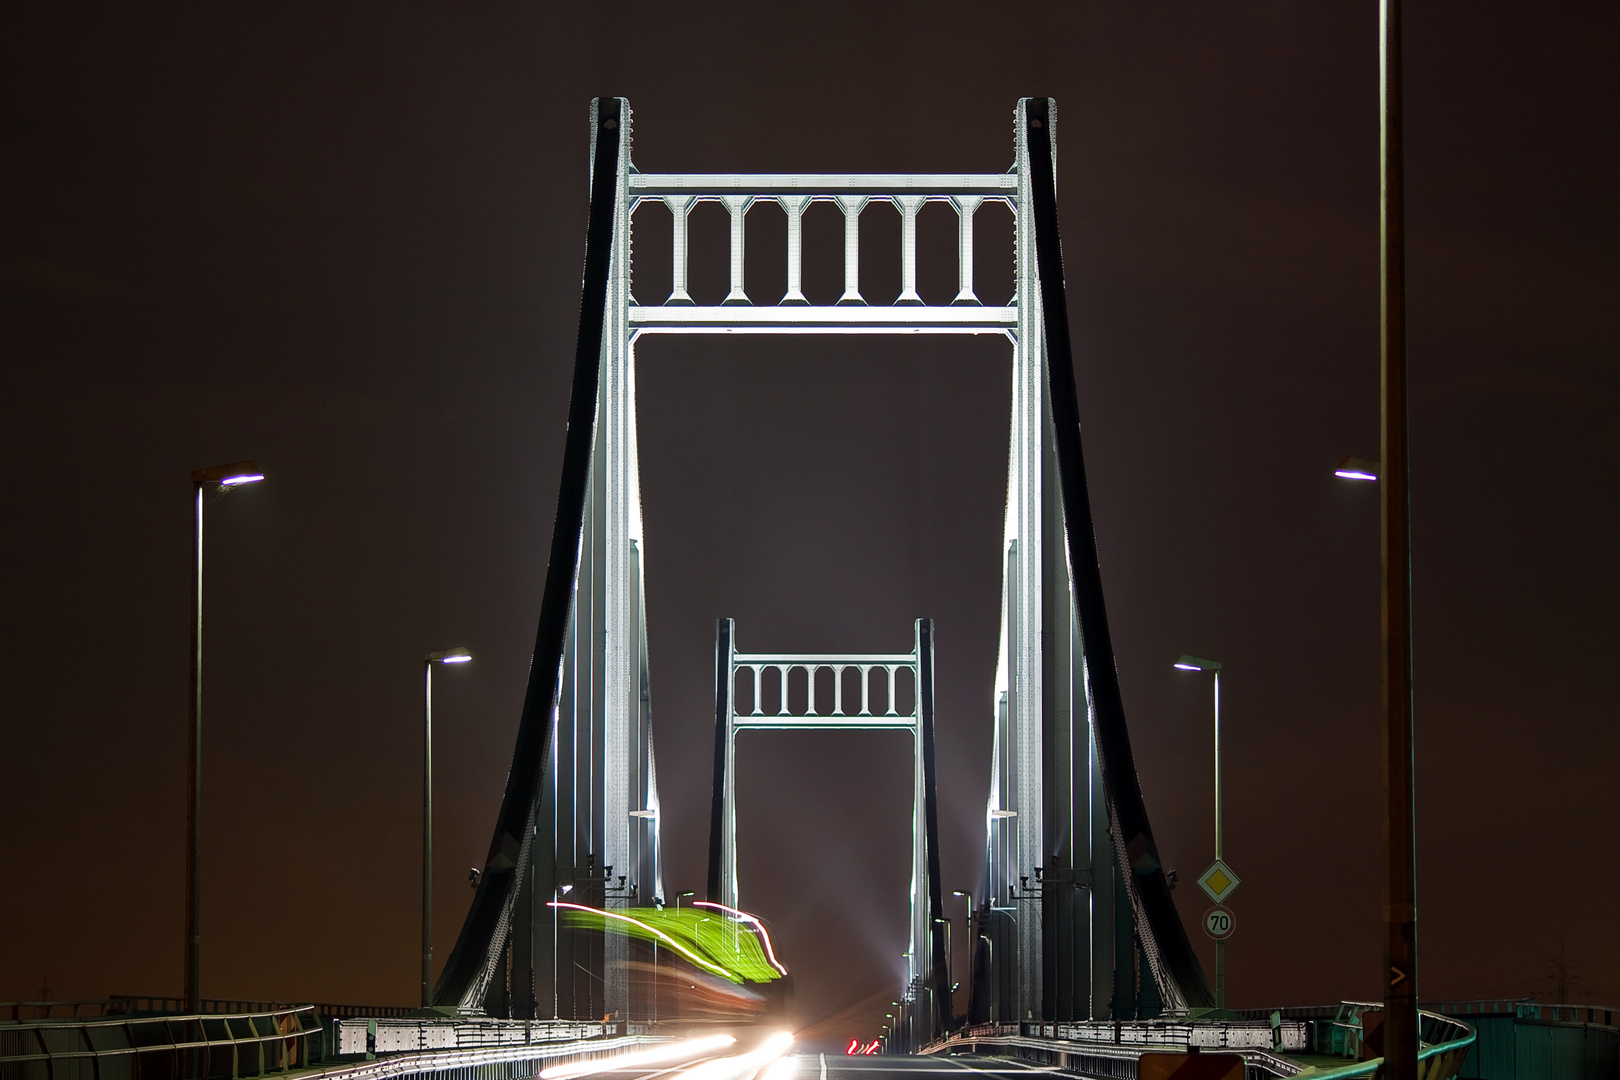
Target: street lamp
1194 663
679 896
448 656
1355 468
217 480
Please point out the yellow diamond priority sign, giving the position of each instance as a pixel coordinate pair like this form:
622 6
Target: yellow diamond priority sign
1219 881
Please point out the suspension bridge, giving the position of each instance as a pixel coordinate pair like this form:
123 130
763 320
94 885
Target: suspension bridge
1079 958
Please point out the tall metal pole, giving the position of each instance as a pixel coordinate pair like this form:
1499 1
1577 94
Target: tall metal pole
194 804
1220 944
1400 819
427 833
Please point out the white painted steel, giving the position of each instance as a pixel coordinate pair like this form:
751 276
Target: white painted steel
775 715
825 185
786 318
606 688
1024 540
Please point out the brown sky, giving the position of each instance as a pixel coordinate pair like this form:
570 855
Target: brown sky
347 242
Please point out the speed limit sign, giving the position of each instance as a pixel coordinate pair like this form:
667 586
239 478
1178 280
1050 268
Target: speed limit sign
1219 923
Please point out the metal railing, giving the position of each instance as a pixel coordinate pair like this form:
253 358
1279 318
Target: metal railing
1109 1049
198 1047
16 1012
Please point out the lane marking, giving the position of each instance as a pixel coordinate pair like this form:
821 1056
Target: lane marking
1010 1065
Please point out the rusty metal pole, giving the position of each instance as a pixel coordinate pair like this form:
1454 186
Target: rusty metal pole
1400 819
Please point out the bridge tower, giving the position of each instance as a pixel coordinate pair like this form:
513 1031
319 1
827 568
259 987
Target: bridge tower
1075 916
865 692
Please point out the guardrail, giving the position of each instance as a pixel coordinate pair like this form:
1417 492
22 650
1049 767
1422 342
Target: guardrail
221 1044
1110 1049
17 1012
233 1046
402 1035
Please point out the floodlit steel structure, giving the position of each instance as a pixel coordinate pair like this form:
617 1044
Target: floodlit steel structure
1075 909
869 692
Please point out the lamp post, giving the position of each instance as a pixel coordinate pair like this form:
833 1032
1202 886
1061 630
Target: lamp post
1194 663
680 895
448 656
1400 813
217 480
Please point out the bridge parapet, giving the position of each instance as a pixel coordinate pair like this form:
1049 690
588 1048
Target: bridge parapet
1285 1043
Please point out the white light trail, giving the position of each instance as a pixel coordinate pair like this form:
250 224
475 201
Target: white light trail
743 1065
636 1058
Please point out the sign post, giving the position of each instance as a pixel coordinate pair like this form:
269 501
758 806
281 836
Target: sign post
1219 882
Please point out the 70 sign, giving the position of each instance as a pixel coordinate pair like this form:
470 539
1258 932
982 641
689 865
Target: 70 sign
1219 922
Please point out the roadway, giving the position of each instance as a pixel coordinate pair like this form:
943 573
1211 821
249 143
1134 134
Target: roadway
902 1067
744 1064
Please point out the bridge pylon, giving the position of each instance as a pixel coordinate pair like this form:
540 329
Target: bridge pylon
1075 917
862 692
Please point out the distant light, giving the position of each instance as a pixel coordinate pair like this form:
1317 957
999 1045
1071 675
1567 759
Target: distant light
1196 663
245 478
1355 468
1188 667
448 656
564 890
457 659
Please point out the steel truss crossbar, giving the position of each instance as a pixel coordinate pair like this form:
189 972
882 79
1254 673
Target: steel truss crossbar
816 718
826 319
825 185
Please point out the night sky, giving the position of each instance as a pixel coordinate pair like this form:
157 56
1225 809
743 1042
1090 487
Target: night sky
346 242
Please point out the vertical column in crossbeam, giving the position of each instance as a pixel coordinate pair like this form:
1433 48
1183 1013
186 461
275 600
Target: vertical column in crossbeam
966 205
680 210
909 206
737 205
852 206
793 206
